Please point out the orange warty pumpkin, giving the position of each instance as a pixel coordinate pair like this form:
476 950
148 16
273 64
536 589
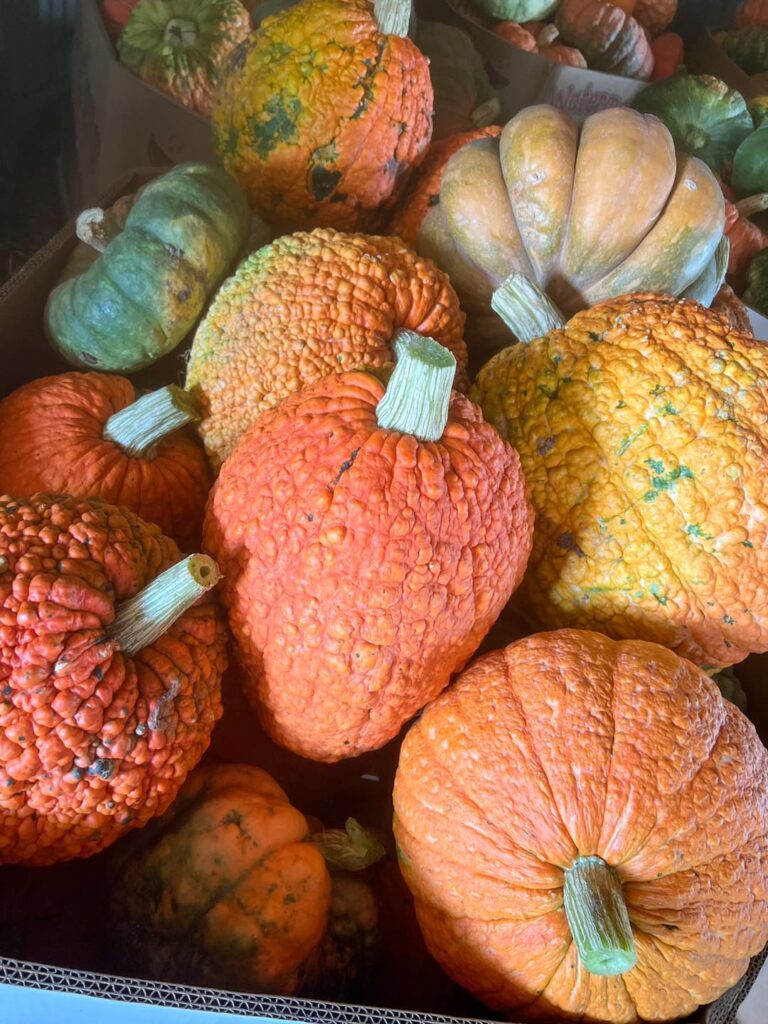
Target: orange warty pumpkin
85 434
571 783
106 702
368 539
423 192
306 306
321 116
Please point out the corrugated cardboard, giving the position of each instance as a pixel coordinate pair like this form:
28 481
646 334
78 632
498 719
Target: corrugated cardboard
120 121
52 975
527 78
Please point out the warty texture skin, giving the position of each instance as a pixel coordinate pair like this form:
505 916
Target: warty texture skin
643 432
570 744
51 439
101 746
306 306
361 567
320 118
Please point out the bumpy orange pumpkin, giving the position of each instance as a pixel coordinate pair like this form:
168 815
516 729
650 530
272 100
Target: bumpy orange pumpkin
321 116
642 427
655 15
229 889
368 538
306 306
570 781
105 705
423 192
85 434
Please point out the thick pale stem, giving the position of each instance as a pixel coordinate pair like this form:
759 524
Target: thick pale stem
352 848
145 617
597 916
419 391
138 427
486 113
753 204
93 228
547 36
392 16
525 309
180 32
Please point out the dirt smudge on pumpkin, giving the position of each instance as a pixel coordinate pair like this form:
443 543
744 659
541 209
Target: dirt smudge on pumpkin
347 464
567 542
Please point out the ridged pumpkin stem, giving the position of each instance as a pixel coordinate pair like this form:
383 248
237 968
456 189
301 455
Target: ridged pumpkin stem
419 391
140 425
392 16
352 848
93 227
547 36
597 916
753 204
486 113
525 309
147 615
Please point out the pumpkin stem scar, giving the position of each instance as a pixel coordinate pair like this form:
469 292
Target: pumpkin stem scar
147 615
419 391
92 228
139 426
525 309
597 916
352 848
392 16
180 32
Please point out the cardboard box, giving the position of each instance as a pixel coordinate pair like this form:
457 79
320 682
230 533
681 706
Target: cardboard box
58 971
527 78
122 122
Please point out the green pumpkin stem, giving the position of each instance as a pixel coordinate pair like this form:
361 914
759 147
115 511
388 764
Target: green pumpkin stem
140 425
419 391
597 916
94 228
486 113
752 205
525 309
143 618
392 16
352 848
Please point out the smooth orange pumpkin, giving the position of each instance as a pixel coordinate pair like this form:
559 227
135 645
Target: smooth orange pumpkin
571 779
369 537
86 434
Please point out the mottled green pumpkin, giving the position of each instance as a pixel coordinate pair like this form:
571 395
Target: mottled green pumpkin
150 284
517 10
747 47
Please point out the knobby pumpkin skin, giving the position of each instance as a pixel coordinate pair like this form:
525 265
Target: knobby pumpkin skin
52 439
93 742
223 890
362 567
321 118
642 429
566 745
306 306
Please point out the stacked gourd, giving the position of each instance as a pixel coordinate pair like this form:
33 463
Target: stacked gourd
580 815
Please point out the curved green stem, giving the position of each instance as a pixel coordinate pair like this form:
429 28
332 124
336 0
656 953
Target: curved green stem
140 425
597 916
352 848
525 309
392 16
151 612
419 391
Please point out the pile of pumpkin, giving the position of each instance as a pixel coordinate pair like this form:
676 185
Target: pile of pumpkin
511 401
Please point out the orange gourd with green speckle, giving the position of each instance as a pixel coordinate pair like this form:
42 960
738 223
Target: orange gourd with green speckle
571 780
642 426
321 117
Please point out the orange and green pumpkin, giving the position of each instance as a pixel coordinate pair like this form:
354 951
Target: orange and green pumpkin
322 114
608 36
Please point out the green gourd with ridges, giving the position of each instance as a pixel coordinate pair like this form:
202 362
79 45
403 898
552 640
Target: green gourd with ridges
151 283
747 47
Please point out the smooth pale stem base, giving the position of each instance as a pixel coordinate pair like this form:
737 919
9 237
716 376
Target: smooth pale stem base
392 16
525 309
486 113
598 919
140 425
419 391
352 848
151 612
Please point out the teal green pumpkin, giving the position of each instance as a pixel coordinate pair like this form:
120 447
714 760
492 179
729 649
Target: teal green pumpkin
150 284
704 116
747 47
756 294
517 10
750 164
